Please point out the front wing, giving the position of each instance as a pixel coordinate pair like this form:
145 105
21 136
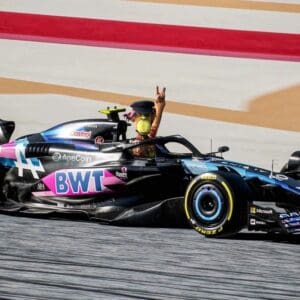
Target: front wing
269 220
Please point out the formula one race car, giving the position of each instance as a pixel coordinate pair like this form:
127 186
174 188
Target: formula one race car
87 169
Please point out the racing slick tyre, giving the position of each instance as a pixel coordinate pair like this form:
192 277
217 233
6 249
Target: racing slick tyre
216 203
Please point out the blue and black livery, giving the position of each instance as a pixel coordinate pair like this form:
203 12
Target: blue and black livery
52 174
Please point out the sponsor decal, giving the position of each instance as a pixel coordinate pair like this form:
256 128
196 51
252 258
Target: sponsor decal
32 164
254 222
289 215
78 182
82 134
264 211
279 177
293 223
82 206
75 182
257 210
99 140
71 157
209 231
122 174
40 187
56 156
209 176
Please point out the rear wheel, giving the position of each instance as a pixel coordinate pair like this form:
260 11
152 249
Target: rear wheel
216 204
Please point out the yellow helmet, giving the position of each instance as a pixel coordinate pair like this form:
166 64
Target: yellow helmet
143 126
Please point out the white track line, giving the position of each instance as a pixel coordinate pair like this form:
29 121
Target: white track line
162 13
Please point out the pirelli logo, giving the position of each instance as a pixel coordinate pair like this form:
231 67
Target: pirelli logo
208 176
209 231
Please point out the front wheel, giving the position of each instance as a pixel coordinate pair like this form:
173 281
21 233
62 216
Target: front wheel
216 203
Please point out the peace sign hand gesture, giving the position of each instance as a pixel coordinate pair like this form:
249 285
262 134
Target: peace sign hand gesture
160 97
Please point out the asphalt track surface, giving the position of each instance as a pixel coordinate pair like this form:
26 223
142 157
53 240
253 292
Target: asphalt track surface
56 259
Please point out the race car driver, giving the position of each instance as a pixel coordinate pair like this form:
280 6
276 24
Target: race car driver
146 117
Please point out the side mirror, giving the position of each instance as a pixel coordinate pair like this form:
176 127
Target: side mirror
223 149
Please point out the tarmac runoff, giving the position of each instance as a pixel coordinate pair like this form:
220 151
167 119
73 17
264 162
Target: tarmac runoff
274 6
194 79
277 110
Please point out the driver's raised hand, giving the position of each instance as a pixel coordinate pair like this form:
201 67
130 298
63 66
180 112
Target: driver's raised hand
160 97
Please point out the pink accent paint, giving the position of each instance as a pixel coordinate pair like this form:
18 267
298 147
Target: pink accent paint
110 179
107 179
49 181
152 37
8 150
